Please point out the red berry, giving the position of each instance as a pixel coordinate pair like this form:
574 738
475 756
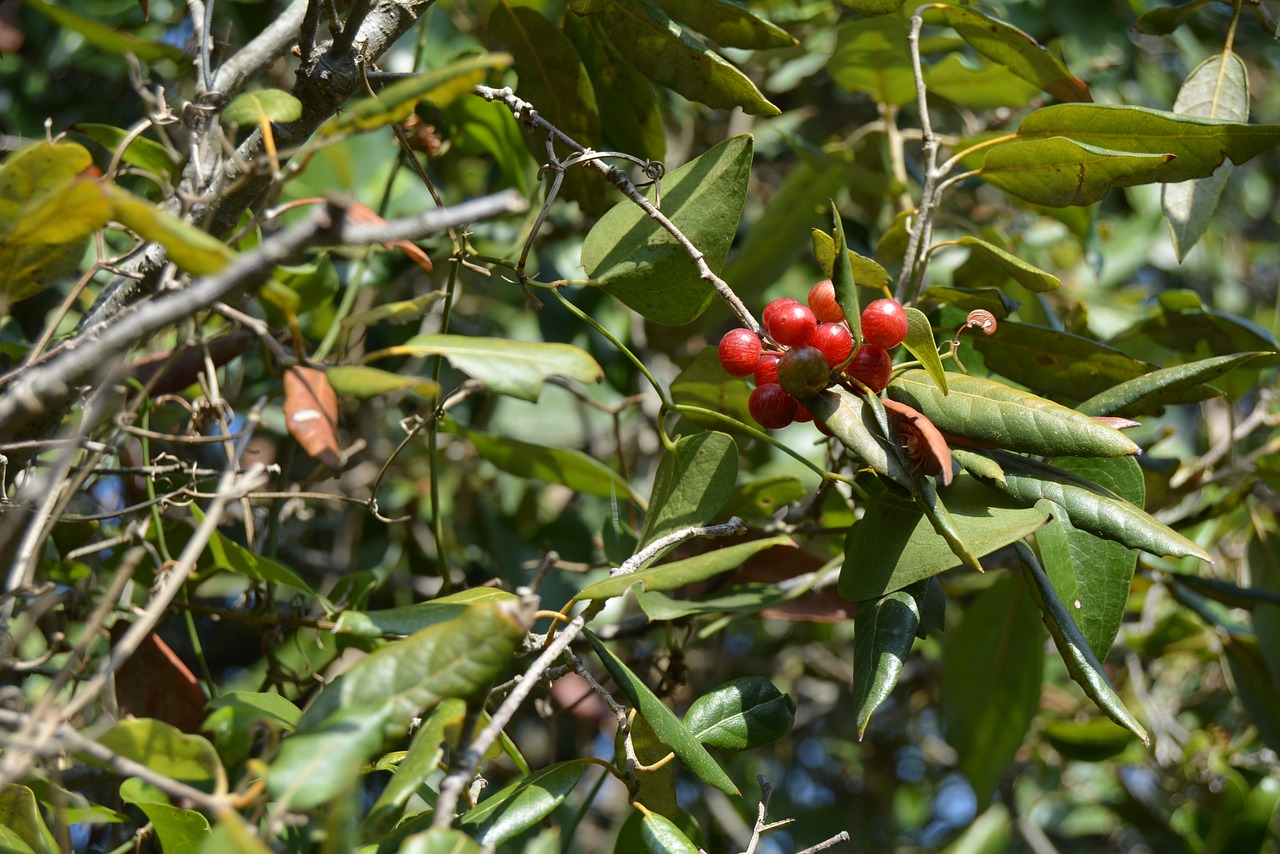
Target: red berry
822 299
740 352
771 406
803 371
767 370
884 323
803 416
791 324
872 366
772 307
834 340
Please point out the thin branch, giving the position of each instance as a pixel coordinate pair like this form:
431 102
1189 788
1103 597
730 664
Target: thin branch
264 49
922 224
733 527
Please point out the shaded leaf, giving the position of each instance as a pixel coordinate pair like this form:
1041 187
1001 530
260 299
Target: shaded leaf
323 762
983 88
1253 685
146 154
222 552
640 263
665 724
728 23
522 803
400 311
171 371
1056 363
408 619
925 448
177 829
166 750
365 382
1163 20
1151 392
420 761
661 835
871 57
155 683
1057 171
311 414
705 384
566 466
692 484
365 215
250 108
1183 322
515 368
921 344
108 38
741 714
21 823
884 630
1030 277
681 572
193 250
969 299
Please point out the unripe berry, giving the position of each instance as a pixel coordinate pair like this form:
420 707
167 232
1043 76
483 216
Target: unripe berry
771 406
791 324
834 340
767 369
822 299
803 371
884 323
773 307
872 367
740 352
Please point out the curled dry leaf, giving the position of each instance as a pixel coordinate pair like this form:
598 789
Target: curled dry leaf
982 320
311 414
357 212
924 444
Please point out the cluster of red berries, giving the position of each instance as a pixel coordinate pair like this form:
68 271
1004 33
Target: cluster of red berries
814 341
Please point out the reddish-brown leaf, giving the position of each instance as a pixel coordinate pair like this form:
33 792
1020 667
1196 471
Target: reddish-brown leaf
924 443
357 212
311 414
173 370
154 683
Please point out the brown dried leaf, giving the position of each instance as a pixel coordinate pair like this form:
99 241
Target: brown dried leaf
155 683
173 370
926 447
311 414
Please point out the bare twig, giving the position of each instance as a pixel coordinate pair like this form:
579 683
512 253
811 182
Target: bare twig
731 528
264 49
922 223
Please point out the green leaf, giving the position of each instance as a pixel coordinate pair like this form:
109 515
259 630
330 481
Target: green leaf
177 829
660 835
894 545
166 750
420 761
1056 171
1215 90
1184 324
884 630
705 384
728 23
968 299
1030 277
992 670
63 215
1163 20
921 344
692 484
394 103
995 414
1083 666
640 263
871 57
867 273
514 368
1253 685
364 382
1056 363
408 619
1198 145
553 79
1092 740
681 572
851 421
144 153
742 598
250 108
318 765
663 721
842 278
566 466
437 840
226 554
237 718
452 658
670 57
986 87
741 714
1012 48
400 311
21 823
1151 392
522 803
110 39
193 250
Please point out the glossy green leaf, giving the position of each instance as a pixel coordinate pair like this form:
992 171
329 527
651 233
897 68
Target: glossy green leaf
884 630
1030 277
22 827
1082 664
108 38
894 545
681 572
408 619
671 57
968 299
672 732
1150 393
979 465
992 670
1253 685
867 273
193 250
1184 324
743 598
985 87
1093 507
630 118
660 835
640 263
1198 145
1056 363
318 765
522 803
566 466
871 57
851 421
237 718
250 108
399 311
553 79
921 344
1012 48
1163 20
453 658
233 834
741 714
993 413
146 154
176 829
365 382
692 484
764 496
1216 89
842 278
226 554
514 368
728 23
1057 171
166 750
395 102
422 760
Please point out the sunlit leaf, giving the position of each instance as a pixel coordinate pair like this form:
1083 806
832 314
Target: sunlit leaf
681 572
226 554
741 714
728 23
1030 277
250 108
177 829
146 154
515 368
522 803
921 344
364 382
843 279
983 88
660 835
572 468
1185 325
22 827
408 619
1151 392
193 250
1057 171
421 760
166 750
884 630
692 484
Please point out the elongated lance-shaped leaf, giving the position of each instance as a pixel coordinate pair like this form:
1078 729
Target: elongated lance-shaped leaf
842 278
1091 507
515 368
850 420
993 413
884 630
1056 363
1082 664
1057 171
728 23
1149 393
682 572
921 344
522 803
1029 276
